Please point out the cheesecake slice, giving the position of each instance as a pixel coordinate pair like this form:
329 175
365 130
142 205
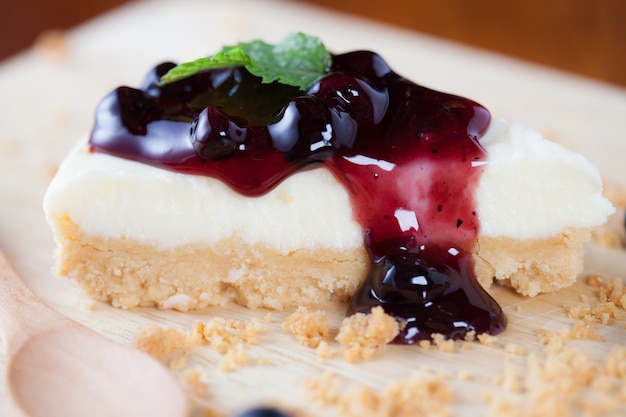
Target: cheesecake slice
362 187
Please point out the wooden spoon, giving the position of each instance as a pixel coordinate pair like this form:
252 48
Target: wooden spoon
57 367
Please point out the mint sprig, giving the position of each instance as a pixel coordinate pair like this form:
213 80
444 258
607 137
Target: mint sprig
298 60
233 57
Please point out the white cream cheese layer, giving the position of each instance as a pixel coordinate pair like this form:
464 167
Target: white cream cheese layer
114 197
531 188
534 188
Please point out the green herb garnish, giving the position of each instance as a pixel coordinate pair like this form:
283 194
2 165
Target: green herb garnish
298 60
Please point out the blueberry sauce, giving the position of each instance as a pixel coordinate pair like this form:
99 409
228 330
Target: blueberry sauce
408 156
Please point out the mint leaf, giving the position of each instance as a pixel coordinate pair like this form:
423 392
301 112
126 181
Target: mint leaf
233 57
299 60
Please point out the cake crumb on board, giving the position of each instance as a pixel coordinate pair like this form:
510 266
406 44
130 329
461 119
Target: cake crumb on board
323 352
309 327
226 337
160 342
415 396
360 335
565 380
222 335
234 358
608 306
556 377
443 344
195 380
363 335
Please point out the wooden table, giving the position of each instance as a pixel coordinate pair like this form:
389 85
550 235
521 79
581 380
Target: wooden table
48 96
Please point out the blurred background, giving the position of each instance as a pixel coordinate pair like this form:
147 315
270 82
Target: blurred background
587 37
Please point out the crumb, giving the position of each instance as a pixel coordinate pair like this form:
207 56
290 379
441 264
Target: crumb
595 280
323 352
363 335
562 380
442 344
470 336
221 334
227 337
406 398
603 383
324 390
160 342
487 339
579 310
269 318
425 344
613 292
565 370
234 358
583 330
519 309
309 327
554 341
195 336
513 380
615 362
602 312
414 396
194 380
359 402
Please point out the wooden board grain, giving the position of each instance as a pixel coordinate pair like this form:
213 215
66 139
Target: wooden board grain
47 99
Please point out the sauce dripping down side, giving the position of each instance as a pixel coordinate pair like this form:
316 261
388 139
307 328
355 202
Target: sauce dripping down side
408 156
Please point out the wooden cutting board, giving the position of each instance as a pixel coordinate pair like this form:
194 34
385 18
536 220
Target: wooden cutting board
47 99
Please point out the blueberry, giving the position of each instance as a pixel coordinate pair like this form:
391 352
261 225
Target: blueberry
136 109
151 82
214 136
263 412
304 128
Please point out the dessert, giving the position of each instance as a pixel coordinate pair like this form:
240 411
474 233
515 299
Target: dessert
353 184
